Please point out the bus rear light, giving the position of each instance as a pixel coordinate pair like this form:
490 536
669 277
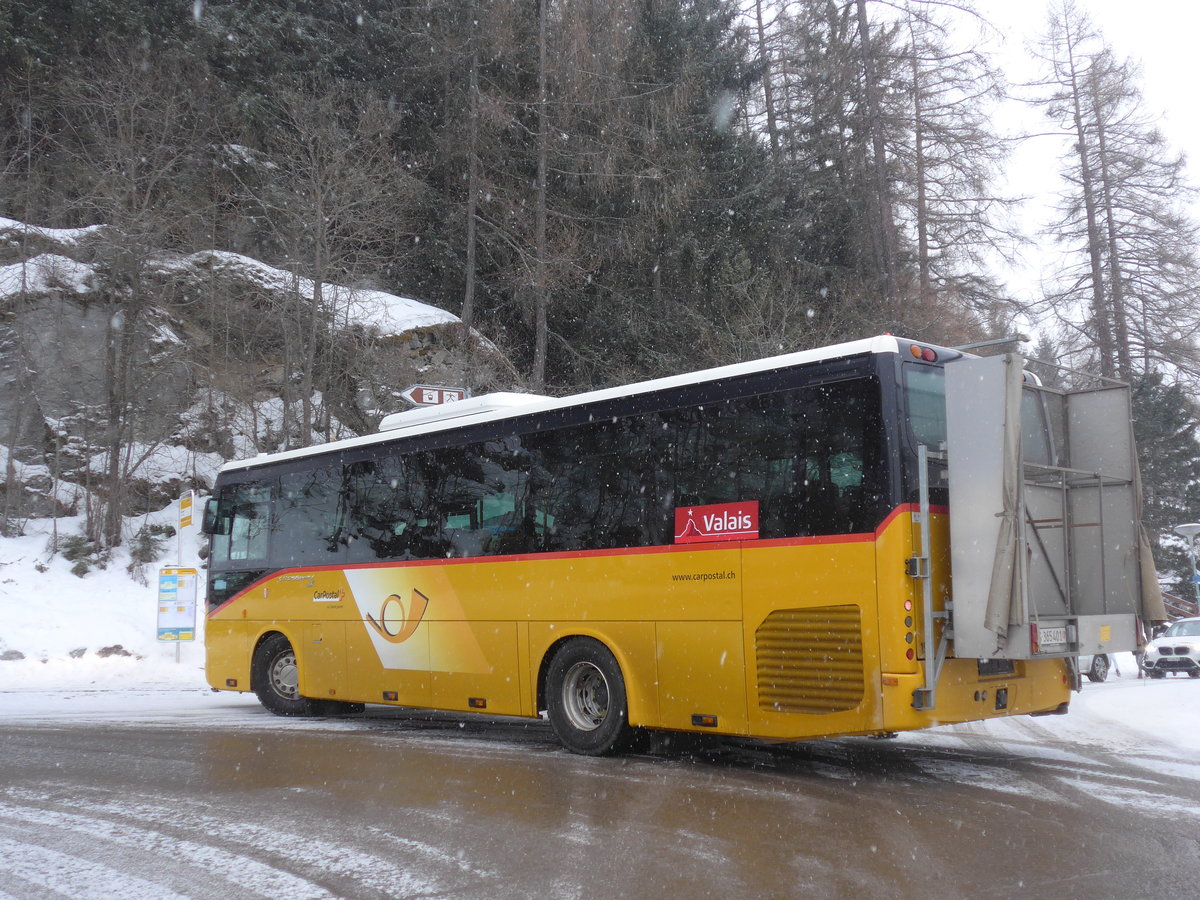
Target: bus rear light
911 653
477 703
890 681
908 606
928 354
702 721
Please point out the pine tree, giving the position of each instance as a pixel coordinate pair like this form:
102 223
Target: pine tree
1166 424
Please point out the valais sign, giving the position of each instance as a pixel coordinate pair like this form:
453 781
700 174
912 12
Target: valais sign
432 395
718 522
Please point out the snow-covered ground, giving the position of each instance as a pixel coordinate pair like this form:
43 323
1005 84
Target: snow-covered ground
61 631
64 627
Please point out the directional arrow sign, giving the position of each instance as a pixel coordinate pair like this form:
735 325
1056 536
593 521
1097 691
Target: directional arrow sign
432 394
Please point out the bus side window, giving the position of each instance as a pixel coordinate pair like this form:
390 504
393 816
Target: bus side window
509 519
309 517
823 470
245 539
590 489
381 499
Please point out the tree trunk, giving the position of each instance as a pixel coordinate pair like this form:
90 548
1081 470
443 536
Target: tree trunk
1099 306
922 204
884 240
468 307
1116 282
768 95
540 287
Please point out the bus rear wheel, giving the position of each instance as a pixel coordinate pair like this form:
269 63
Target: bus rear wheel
275 676
586 699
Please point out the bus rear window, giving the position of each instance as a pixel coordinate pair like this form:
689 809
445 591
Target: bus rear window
925 392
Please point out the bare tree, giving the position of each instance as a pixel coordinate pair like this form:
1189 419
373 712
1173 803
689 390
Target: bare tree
949 163
334 182
133 126
1129 242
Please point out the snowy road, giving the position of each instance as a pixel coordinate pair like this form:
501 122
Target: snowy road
181 793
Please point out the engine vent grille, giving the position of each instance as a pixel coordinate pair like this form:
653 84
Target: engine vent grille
810 660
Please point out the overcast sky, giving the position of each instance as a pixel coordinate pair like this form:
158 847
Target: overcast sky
1158 35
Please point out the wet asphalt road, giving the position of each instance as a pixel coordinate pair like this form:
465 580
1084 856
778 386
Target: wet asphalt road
408 804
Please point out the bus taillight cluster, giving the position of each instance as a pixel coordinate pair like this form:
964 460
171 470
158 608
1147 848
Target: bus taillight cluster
926 353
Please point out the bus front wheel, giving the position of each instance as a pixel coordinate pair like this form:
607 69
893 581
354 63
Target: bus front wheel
275 676
586 699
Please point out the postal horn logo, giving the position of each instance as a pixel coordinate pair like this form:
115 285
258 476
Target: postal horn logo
397 620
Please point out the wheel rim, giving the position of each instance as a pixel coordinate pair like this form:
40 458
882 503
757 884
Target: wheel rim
585 696
284 677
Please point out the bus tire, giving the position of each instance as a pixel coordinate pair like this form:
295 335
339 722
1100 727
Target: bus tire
275 677
586 699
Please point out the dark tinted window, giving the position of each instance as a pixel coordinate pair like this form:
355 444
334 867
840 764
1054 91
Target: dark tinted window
310 517
598 486
812 458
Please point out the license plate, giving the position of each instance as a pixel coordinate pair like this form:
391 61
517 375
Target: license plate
1052 636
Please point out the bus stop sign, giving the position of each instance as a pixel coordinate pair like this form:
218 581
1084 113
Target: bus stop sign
432 395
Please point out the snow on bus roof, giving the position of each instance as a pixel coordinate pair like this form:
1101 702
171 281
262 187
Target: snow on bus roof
486 412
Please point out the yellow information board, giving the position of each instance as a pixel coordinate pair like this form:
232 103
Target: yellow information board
177 604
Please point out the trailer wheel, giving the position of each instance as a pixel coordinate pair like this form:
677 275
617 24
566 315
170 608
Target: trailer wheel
1099 669
586 699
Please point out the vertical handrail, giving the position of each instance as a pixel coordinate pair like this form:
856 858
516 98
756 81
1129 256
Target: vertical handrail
1103 559
1068 542
925 697
927 572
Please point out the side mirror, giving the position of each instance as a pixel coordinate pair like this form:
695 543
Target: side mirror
214 522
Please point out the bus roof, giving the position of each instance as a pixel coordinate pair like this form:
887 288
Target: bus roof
504 406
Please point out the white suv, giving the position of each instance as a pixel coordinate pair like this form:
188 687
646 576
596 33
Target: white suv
1176 650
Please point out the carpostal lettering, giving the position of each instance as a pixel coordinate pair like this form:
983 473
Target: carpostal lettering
326 596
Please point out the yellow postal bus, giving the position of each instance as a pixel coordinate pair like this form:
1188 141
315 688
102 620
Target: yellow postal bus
762 549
